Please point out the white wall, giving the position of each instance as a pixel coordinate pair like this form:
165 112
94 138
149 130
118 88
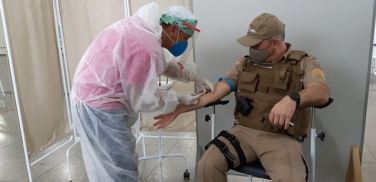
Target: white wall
374 36
2 37
338 32
374 41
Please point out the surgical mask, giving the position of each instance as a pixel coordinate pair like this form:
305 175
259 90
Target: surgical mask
259 56
179 47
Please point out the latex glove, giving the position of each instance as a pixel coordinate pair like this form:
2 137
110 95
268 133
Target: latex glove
203 83
188 98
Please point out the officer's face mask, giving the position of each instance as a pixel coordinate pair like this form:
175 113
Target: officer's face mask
179 47
260 55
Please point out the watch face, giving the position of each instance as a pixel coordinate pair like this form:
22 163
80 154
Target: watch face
295 96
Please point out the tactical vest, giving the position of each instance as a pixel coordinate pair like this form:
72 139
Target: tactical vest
266 85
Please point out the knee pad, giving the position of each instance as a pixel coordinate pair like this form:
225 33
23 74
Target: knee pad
224 149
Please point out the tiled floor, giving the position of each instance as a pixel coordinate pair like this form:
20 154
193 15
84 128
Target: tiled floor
54 167
369 149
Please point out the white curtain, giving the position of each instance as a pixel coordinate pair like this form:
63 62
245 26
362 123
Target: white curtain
82 21
37 70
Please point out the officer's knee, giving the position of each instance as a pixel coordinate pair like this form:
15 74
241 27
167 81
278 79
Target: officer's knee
200 164
208 163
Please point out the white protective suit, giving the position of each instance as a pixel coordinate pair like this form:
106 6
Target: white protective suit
115 80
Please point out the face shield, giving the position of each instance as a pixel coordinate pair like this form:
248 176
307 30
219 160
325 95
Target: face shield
187 23
191 42
182 59
181 62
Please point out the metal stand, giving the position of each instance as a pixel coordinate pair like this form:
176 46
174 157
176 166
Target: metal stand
321 136
373 69
2 101
66 79
212 118
160 156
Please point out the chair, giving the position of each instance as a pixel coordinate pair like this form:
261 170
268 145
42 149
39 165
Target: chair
252 169
255 169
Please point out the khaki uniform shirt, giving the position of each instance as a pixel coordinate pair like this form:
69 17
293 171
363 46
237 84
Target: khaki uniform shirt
312 70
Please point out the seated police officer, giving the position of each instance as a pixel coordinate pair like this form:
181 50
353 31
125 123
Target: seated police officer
274 87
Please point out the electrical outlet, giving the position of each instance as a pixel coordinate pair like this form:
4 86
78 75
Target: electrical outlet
2 104
3 51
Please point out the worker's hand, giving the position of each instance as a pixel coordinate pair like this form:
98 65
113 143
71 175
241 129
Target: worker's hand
282 112
165 120
188 98
203 83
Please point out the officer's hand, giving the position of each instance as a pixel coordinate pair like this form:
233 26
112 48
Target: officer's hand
282 112
165 120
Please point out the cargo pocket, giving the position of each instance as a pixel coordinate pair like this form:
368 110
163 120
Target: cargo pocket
282 80
248 82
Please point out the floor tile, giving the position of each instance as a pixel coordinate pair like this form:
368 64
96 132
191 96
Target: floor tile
14 164
8 139
368 172
370 136
60 172
187 143
371 116
368 156
145 167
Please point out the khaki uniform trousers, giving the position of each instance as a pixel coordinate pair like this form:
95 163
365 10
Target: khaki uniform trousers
280 155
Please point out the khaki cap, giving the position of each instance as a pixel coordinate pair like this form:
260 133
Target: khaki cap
262 27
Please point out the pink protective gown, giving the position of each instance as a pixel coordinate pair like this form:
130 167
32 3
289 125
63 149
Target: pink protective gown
115 80
120 69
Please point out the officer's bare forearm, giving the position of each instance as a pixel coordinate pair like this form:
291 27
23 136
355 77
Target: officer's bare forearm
221 90
316 94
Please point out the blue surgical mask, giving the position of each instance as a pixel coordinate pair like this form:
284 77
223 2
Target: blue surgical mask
178 48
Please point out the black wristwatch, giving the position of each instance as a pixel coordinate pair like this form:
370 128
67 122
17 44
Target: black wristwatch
296 97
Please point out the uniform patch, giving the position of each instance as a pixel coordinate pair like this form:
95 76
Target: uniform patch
251 29
238 62
317 73
316 64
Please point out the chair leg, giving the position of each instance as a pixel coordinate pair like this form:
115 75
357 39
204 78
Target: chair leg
250 178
